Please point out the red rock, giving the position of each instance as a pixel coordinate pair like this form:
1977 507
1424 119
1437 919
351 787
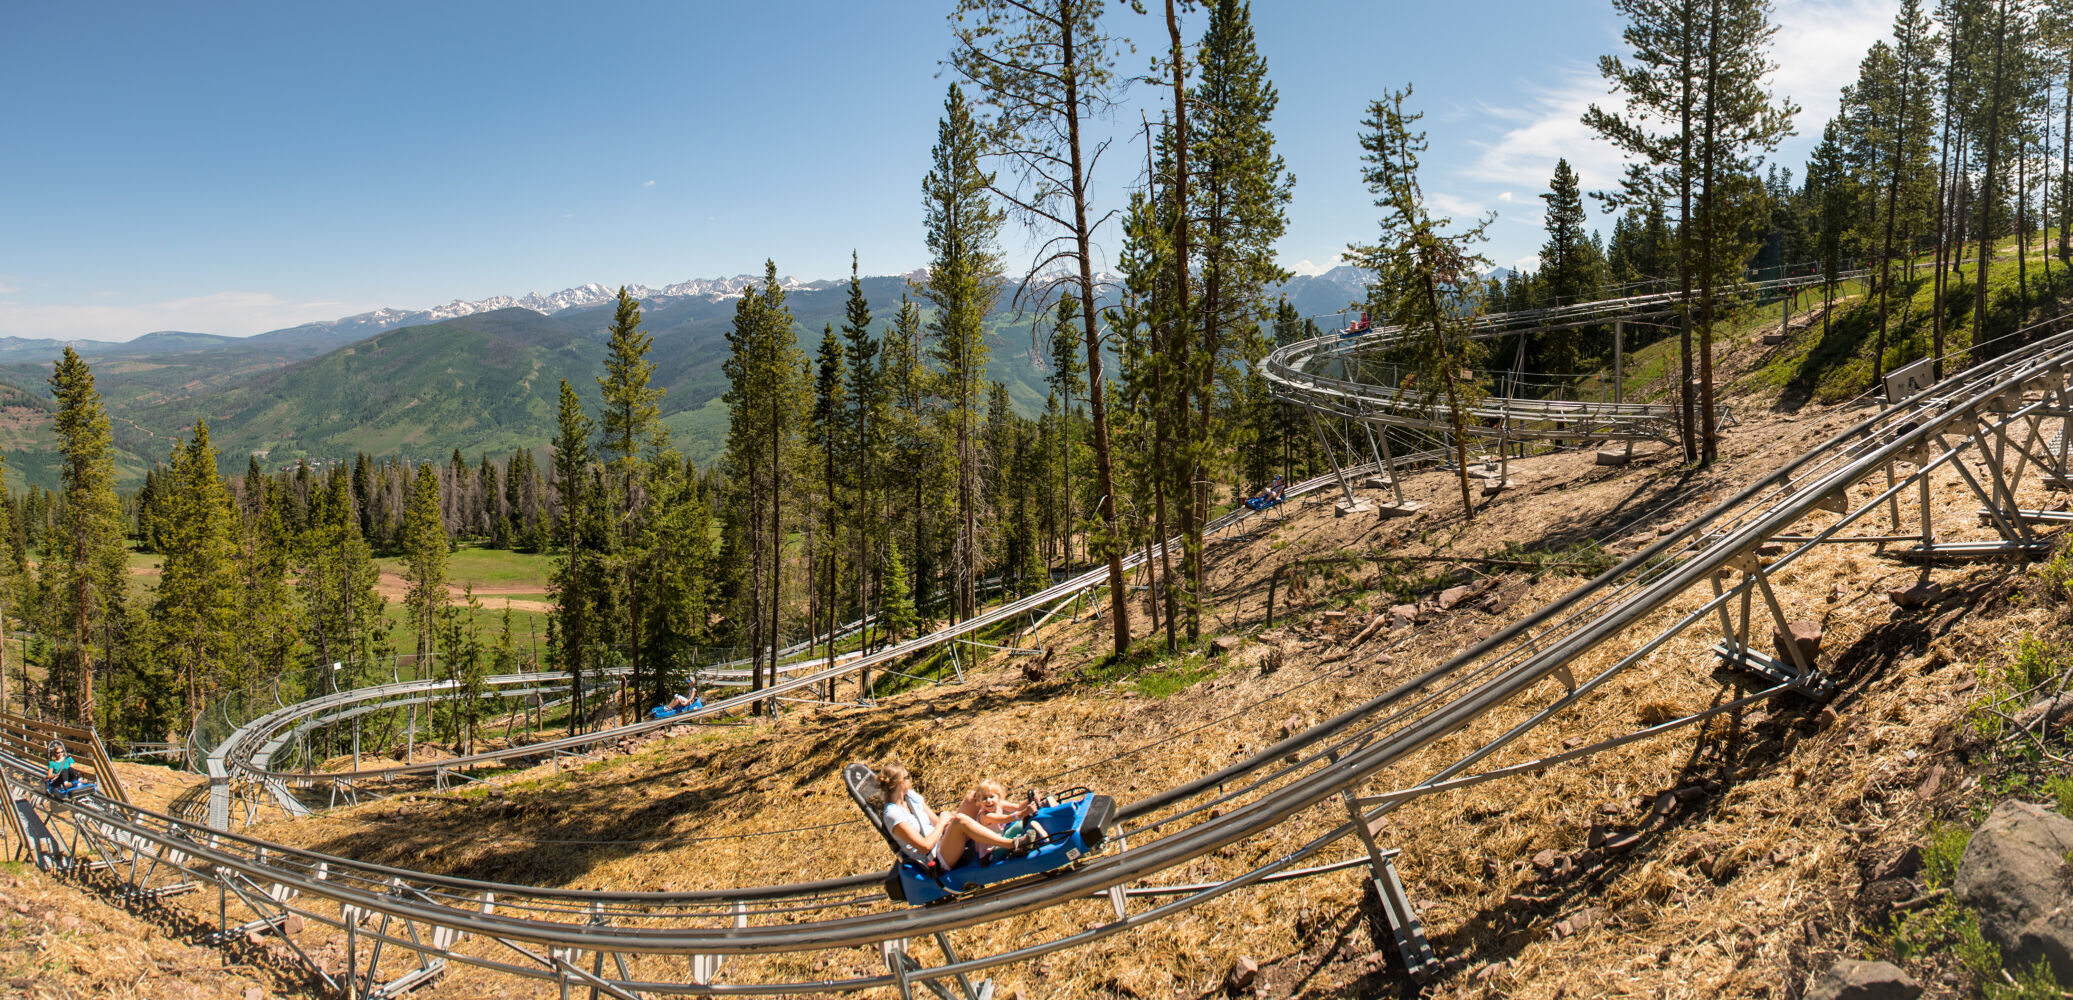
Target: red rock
1921 593
1805 634
1243 972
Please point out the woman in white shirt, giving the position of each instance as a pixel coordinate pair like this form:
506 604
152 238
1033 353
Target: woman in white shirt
949 837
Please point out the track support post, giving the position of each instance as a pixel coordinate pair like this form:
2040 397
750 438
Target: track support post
1411 946
1735 649
906 968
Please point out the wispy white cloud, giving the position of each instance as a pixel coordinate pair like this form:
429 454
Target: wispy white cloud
1548 127
1305 268
234 314
1459 209
647 184
1527 264
1819 44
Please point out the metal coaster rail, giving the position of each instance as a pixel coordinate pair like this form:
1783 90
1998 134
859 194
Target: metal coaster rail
1413 740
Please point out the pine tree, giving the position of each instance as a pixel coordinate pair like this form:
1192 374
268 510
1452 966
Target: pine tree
764 369
424 560
1662 87
13 570
2007 26
84 572
1146 321
150 510
490 521
1892 97
1700 64
916 446
572 584
466 665
830 407
896 614
631 425
863 433
678 573
1564 267
1242 191
194 613
336 575
270 619
963 282
1045 71
1421 272
1066 384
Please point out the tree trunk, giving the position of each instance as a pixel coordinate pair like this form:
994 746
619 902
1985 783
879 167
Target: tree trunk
777 543
1119 605
1986 199
1878 359
1689 417
1709 448
1194 509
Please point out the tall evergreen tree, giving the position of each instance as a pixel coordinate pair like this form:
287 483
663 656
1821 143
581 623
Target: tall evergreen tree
916 446
1242 188
1045 70
424 561
1662 84
465 664
1565 271
964 280
830 407
1066 383
2006 25
84 572
194 613
1896 87
1698 73
271 619
678 574
1422 272
573 626
336 575
13 573
764 369
630 426
863 432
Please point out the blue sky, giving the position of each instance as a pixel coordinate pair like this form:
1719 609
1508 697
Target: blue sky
236 168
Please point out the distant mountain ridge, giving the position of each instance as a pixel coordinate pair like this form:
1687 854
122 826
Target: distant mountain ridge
470 375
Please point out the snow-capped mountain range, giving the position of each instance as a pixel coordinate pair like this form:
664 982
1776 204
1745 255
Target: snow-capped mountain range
327 334
590 294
